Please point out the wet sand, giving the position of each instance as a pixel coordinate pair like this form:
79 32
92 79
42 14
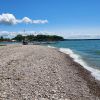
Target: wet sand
31 72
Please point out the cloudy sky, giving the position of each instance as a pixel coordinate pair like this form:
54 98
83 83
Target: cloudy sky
69 18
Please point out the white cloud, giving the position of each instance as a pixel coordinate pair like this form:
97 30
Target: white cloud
7 34
39 21
65 35
26 20
10 19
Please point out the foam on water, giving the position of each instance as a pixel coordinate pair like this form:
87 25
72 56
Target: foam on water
77 58
51 46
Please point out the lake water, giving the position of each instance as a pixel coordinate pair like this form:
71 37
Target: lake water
85 52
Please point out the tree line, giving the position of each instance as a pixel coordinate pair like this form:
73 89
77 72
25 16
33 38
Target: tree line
4 39
30 38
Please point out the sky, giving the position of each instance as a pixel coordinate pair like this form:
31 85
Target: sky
68 18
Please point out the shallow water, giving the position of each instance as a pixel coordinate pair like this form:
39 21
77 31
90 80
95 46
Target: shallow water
5 43
89 50
85 52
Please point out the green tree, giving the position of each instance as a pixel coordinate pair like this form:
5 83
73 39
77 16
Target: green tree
1 38
19 38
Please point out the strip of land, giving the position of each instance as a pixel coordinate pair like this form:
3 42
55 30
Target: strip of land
31 72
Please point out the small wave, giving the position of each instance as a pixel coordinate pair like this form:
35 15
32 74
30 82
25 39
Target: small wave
51 46
77 58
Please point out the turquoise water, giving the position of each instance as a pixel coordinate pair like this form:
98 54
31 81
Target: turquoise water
89 50
5 43
84 52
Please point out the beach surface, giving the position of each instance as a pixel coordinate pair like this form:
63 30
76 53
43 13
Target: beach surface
34 72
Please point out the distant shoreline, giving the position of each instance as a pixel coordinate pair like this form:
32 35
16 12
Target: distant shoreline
54 41
79 39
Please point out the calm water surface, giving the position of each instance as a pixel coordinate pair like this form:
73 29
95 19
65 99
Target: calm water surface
89 50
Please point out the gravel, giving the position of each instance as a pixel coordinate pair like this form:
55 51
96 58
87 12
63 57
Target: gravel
34 72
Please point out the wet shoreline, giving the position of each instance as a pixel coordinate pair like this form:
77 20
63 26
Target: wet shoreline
37 72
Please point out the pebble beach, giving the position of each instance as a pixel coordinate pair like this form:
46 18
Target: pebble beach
34 72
